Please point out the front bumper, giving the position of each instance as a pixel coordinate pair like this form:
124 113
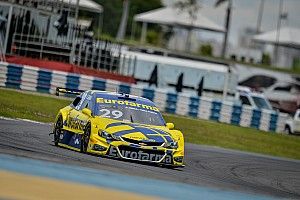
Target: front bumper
140 154
134 152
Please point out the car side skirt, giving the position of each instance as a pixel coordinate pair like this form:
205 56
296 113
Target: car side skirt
70 140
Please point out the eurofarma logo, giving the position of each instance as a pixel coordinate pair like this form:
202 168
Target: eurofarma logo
127 103
140 155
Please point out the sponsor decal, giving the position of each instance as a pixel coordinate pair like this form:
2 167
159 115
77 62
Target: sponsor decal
127 103
76 141
140 155
151 140
75 123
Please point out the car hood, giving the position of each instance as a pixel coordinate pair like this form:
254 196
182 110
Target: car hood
138 132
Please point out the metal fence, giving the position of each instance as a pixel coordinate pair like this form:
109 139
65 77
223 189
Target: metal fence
34 33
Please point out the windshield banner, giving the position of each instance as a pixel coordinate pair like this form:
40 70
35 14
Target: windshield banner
127 103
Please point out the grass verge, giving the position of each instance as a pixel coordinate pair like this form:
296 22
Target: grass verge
16 104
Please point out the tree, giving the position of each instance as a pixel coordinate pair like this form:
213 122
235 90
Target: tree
152 37
191 6
206 50
266 59
113 11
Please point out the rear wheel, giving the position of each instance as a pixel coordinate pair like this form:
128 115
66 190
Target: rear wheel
287 129
57 130
85 138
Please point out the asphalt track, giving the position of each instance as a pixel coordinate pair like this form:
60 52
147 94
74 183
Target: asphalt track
205 166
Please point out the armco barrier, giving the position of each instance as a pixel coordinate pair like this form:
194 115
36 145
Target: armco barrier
42 80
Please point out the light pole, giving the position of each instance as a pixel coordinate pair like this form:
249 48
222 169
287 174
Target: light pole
122 28
227 24
260 15
278 31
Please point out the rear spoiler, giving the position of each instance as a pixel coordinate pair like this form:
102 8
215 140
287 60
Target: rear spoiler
67 91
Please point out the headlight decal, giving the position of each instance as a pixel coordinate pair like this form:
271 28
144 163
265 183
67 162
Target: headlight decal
104 134
109 136
172 145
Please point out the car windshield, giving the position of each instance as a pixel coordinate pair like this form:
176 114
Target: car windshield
261 103
130 114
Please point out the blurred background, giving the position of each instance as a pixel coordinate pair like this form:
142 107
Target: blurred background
196 47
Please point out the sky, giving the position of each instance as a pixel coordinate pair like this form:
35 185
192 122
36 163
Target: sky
245 14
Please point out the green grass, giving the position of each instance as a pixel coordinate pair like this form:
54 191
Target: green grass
16 104
30 106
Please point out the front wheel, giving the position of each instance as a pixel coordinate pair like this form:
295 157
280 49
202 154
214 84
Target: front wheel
85 138
57 130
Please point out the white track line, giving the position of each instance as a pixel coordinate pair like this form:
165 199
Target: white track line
25 120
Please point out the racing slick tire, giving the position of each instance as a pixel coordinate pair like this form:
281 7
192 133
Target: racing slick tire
57 130
85 138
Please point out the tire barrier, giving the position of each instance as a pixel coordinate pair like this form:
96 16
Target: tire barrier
42 80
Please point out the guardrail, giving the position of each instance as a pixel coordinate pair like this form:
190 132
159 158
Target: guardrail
46 81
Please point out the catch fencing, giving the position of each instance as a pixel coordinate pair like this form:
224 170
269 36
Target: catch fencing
42 80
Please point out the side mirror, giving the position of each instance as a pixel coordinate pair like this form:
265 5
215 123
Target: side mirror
170 125
87 112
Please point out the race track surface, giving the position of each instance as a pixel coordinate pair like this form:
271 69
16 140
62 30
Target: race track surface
205 166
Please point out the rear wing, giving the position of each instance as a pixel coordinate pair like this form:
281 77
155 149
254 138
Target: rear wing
67 91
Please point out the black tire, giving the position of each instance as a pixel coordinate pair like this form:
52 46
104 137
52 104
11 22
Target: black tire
85 138
287 129
57 130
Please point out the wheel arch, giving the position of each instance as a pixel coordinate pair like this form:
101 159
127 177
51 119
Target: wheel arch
289 127
178 136
64 113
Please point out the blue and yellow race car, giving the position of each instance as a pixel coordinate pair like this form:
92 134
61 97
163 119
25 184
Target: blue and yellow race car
118 125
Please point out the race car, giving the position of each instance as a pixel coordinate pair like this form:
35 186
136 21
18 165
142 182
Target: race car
118 125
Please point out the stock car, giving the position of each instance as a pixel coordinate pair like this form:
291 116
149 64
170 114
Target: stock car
117 125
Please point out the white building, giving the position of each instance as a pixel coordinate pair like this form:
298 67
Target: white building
286 42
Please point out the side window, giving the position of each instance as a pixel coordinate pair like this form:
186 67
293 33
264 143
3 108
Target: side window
76 101
81 100
84 103
285 89
245 100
